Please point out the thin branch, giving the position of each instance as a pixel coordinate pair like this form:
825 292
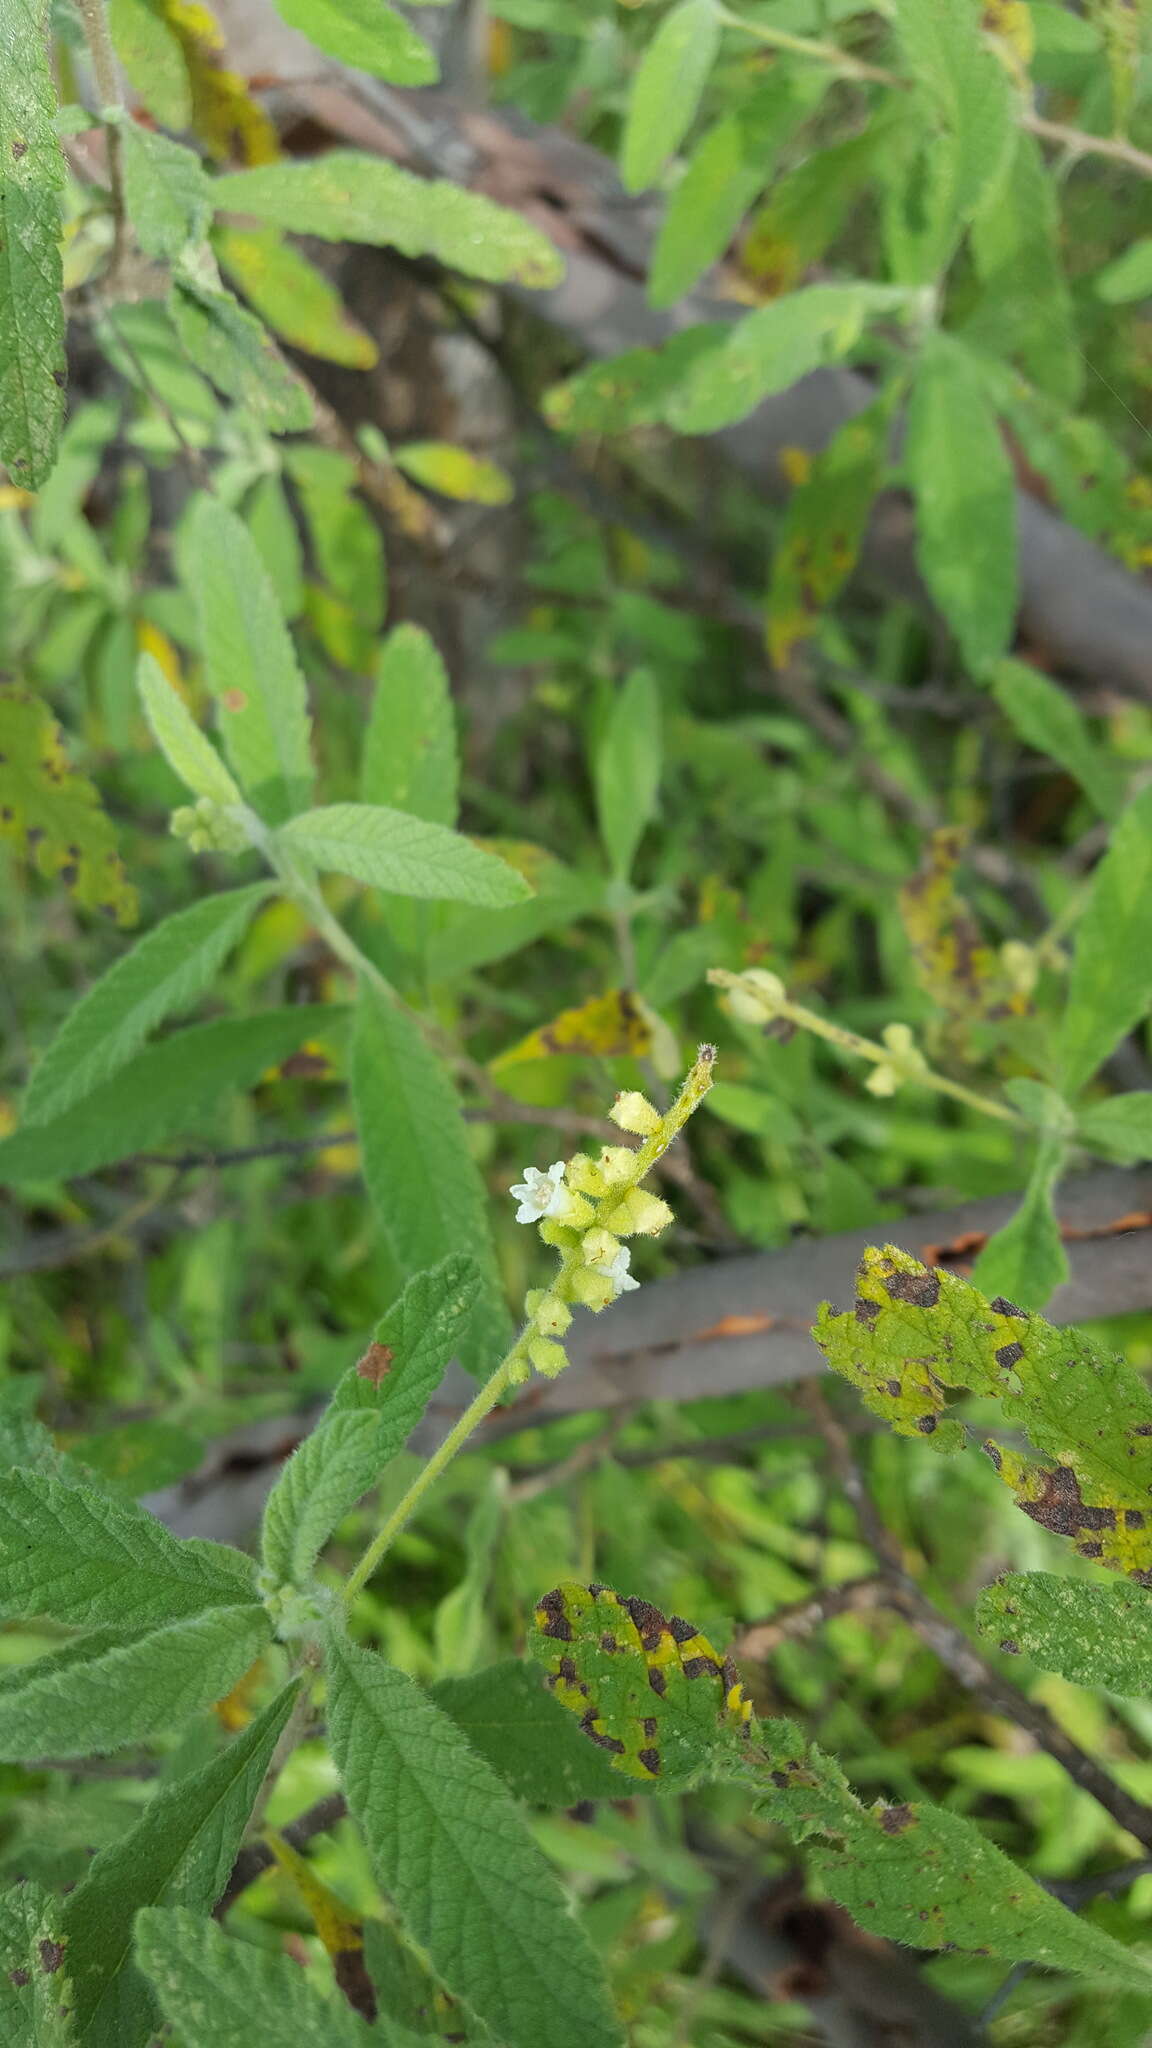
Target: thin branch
951 1645
1076 1891
256 1857
1117 147
108 93
762 1639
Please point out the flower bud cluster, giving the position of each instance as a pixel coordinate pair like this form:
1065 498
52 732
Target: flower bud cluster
210 827
584 1207
905 1061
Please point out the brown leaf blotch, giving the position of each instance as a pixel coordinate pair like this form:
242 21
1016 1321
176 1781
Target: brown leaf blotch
921 1290
376 1363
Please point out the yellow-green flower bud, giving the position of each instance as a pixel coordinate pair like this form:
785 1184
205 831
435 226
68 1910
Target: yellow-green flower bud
518 1371
558 1235
598 1247
639 1215
577 1212
594 1290
550 1315
548 1358
633 1112
584 1176
756 997
617 1163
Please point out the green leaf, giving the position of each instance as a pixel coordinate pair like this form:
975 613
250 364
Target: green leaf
1110 986
704 211
530 1741
131 1690
188 752
178 1853
667 90
54 812
425 1185
926 1877
1092 1635
408 855
628 769
409 760
153 61
824 527
771 349
1026 1260
272 524
347 196
31 313
235 351
211 1989
176 1086
166 190
1026 312
959 471
916 1331
163 974
1128 277
367 34
79 1556
455 472
969 87
1049 719
630 390
373 1412
293 297
455 1857
35 1984
1121 1126
250 661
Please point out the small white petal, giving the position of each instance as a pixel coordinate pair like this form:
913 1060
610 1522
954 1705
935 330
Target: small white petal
617 1272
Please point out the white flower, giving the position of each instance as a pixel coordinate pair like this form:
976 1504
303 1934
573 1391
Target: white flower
541 1194
617 1272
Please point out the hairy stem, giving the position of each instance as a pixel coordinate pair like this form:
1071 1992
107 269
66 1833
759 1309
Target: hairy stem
103 57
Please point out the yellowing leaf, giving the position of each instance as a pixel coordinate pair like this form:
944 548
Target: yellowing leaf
225 116
606 1026
150 640
340 1929
963 974
454 472
917 1332
825 524
55 811
294 297
1010 21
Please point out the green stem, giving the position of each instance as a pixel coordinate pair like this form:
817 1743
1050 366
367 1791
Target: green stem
877 1055
108 93
513 1368
807 46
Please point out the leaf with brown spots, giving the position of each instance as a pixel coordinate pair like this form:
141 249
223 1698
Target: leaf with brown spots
827 514
1093 1635
916 1335
605 1027
954 964
35 1992
649 1690
54 813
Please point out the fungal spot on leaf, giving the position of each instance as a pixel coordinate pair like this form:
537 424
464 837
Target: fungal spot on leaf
51 1956
1010 1648
895 1819
19 1978
1009 1355
895 1388
927 1424
921 1289
866 1312
1007 1308
376 1363
234 700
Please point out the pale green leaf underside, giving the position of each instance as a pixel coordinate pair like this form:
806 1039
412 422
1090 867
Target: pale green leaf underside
455 1856
188 752
131 1690
179 1852
628 769
667 89
406 855
167 192
348 197
961 477
409 757
78 1556
366 34
250 662
163 974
